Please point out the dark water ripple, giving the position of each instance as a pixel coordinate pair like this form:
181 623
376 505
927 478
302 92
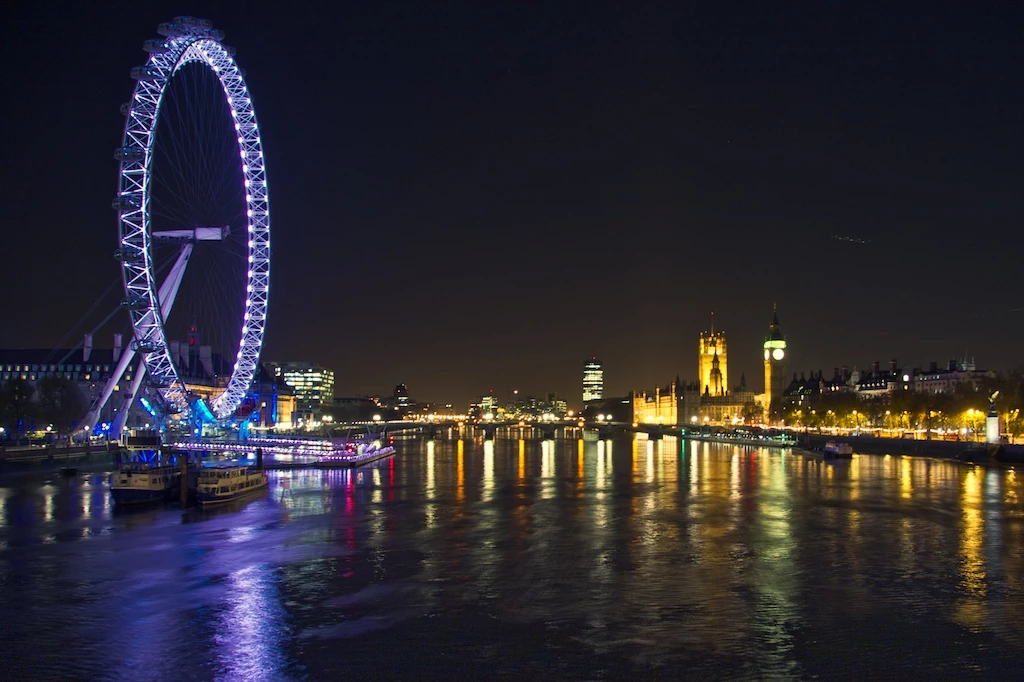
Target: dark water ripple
529 559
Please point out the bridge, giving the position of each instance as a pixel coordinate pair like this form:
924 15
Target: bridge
522 428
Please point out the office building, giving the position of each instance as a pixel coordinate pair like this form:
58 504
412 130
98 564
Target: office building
593 380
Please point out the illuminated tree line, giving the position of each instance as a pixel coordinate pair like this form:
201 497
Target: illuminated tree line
902 411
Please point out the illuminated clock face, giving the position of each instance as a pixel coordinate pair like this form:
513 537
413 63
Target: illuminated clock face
778 353
767 353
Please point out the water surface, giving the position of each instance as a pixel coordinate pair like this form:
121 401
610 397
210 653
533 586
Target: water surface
595 559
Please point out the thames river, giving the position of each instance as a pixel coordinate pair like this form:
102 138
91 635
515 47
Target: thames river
528 559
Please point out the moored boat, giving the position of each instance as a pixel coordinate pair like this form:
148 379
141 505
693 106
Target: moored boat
217 485
140 482
355 453
837 450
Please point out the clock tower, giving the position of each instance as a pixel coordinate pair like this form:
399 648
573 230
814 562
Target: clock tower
774 366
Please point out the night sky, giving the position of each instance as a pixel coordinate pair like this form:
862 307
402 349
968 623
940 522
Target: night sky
480 195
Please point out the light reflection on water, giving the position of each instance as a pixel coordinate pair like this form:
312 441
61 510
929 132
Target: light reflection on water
554 558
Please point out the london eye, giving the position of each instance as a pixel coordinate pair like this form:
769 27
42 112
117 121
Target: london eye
194 224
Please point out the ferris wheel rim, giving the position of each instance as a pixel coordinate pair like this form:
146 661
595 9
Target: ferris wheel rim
189 40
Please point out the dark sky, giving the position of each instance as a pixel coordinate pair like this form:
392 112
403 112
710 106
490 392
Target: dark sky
480 195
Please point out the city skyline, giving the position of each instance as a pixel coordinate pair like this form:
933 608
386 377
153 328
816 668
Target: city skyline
545 184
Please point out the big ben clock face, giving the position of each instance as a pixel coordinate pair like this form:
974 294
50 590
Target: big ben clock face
778 353
767 354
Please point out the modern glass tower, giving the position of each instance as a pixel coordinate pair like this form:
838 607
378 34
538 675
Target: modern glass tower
593 380
313 386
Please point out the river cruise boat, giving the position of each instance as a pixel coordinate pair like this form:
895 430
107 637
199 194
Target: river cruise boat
141 482
353 454
837 450
217 485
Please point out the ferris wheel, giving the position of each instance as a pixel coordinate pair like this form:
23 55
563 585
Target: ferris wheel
192 195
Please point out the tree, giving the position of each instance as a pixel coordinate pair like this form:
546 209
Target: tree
16 407
61 403
752 413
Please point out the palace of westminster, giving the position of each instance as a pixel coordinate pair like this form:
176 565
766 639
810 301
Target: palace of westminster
709 399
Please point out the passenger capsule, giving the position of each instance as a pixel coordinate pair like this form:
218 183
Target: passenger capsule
144 346
230 50
215 34
125 203
194 23
156 46
145 73
128 256
135 302
171 29
129 154
126 108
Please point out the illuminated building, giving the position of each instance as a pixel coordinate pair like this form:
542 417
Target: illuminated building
712 363
956 374
712 400
774 366
661 407
90 368
593 380
878 382
313 386
489 405
401 396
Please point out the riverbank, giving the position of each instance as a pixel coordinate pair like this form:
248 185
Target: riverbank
868 445
50 458
940 449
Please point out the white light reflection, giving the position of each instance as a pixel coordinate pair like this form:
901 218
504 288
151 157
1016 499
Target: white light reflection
251 633
488 493
430 470
430 510
547 469
650 461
